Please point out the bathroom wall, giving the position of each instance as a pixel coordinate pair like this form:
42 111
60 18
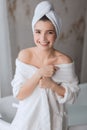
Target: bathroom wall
84 57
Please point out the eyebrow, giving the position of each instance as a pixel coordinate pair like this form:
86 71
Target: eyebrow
37 29
46 30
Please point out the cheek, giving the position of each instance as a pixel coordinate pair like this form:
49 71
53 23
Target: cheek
35 38
53 39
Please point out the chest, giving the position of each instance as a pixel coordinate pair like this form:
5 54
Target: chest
41 62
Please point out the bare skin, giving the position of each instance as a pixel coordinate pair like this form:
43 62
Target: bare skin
44 57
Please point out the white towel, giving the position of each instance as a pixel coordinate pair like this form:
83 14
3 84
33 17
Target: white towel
47 9
44 109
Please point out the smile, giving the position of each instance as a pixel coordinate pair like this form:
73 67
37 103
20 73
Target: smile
44 43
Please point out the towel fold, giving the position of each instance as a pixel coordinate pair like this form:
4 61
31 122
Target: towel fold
47 9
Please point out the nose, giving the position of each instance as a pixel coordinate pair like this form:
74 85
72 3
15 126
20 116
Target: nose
43 37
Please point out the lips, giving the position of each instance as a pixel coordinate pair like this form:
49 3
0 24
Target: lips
44 43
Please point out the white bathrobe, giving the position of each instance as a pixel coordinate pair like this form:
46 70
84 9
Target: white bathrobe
44 109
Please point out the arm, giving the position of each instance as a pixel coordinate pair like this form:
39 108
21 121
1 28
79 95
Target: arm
68 90
49 83
65 92
24 86
58 88
28 87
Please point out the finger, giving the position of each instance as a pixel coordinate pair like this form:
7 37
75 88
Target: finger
56 67
43 77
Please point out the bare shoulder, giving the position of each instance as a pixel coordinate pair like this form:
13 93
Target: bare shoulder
63 58
25 55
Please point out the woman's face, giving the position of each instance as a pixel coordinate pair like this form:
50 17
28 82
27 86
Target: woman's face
44 34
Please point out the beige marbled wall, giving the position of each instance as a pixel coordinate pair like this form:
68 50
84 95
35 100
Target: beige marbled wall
72 13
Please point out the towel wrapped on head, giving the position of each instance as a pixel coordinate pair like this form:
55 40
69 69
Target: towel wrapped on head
45 8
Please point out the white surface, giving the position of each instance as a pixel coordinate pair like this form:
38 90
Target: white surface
80 127
4 125
7 111
78 111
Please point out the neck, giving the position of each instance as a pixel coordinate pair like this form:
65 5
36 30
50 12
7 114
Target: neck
44 55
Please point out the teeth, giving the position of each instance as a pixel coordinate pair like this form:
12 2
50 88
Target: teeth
44 44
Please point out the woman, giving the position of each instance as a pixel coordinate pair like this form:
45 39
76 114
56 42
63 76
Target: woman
45 78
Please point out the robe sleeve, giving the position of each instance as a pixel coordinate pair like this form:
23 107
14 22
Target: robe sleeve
18 79
69 80
71 92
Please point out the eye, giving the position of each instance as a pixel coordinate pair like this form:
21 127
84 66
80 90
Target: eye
50 32
37 31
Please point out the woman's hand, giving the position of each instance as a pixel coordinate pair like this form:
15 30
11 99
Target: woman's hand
50 84
46 82
47 71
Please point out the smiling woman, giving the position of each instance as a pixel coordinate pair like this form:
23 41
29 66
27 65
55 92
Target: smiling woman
45 78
